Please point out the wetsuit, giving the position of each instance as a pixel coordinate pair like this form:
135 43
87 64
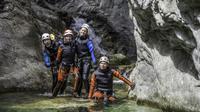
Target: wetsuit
85 54
65 58
49 56
102 83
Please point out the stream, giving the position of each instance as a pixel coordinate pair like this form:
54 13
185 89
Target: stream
37 102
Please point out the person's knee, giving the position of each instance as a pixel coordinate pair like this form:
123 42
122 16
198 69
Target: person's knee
60 75
98 95
54 78
85 77
86 67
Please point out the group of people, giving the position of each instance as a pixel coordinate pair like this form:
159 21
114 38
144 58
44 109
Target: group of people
75 55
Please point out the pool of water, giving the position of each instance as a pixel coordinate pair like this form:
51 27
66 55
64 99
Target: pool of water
35 102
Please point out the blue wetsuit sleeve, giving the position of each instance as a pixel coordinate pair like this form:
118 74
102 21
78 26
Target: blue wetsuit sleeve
46 58
91 49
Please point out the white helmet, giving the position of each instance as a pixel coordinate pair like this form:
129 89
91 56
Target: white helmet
68 32
104 59
45 36
85 26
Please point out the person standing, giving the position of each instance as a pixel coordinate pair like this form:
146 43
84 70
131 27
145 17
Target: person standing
85 54
49 56
66 61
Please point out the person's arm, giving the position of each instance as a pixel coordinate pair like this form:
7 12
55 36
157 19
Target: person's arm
59 54
76 67
91 49
76 54
118 75
92 86
46 58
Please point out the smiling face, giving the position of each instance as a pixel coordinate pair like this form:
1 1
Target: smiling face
47 42
103 65
67 39
83 32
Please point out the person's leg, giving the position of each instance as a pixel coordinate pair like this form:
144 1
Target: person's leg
80 79
86 70
65 77
76 79
111 98
61 73
98 96
54 77
59 82
80 85
64 85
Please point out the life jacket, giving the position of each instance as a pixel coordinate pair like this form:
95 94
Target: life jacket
82 48
68 54
104 80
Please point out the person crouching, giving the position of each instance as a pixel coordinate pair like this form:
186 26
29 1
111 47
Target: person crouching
101 87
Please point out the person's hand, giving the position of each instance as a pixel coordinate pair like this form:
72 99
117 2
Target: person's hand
76 64
132 85
48 66
75 70
90 99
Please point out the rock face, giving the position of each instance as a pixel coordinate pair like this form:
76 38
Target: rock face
167 39
165 33
23 22
108 18
20 53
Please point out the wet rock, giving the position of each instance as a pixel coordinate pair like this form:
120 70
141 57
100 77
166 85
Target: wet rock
109 20
167 40
23 22
20 50
119 59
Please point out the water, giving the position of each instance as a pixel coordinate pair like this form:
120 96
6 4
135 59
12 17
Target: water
34 102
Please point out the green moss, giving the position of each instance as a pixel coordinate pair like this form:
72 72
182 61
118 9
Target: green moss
119 59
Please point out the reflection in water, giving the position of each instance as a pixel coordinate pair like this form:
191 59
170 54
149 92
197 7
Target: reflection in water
34 102
96 108
84 109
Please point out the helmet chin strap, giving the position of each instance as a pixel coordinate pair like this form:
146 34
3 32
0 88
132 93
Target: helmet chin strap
66 43
104 69
83 37
49 44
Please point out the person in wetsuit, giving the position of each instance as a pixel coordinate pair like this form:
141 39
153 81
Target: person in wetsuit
101 86
85 54
66 61
49 51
